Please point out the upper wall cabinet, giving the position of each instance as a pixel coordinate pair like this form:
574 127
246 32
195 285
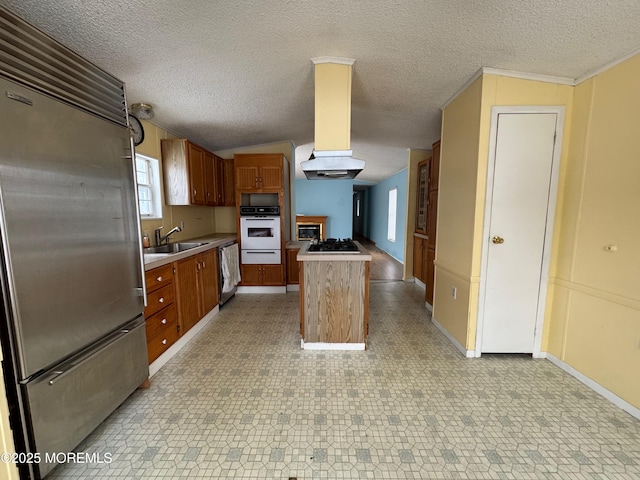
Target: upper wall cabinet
183 165
229 183
259 172
422 197
194 176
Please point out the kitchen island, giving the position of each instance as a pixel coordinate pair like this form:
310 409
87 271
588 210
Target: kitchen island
334 298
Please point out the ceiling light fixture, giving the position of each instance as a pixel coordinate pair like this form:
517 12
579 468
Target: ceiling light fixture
143 111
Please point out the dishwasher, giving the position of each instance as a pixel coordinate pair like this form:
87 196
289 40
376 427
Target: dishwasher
224 296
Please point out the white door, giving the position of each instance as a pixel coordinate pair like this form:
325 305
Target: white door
524 152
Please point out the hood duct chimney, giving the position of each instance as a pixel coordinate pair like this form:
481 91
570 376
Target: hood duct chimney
331 157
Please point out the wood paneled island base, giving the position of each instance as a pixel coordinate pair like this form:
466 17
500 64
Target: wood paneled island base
334 299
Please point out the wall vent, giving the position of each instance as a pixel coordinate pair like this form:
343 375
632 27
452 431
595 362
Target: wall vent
34 59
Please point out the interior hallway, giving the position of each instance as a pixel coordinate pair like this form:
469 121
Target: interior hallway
242 401
383 268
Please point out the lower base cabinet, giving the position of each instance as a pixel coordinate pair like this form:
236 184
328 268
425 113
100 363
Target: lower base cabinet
267 275
178 296
162 331
160 314
430 274
293 269
196 288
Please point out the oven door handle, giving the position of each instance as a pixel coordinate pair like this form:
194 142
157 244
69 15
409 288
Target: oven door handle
272 252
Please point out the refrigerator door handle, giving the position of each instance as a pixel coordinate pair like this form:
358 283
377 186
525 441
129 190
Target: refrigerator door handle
143 279
58 374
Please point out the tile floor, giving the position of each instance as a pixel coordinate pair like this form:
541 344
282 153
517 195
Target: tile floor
242 401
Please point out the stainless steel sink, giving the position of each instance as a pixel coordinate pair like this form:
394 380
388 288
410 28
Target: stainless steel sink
172 247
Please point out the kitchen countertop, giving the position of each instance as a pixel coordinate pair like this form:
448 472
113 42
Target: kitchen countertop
292 244
305 256
153 260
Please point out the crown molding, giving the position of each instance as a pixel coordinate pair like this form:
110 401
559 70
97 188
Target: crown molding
466 85
607 66
528 76
539 78
508 73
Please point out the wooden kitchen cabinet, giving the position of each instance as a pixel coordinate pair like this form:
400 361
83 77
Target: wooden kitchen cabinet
161 316
293 269
432 221
183 165
210 179
208 279
419 245
429 273
229 182
262 275
217 182
259 172
434 168
162 332
420 258
422 197
192 175
196 288
189 307
424 246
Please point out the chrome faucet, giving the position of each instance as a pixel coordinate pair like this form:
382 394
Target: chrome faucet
160 239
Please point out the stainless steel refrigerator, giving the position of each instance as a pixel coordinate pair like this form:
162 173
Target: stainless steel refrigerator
72 327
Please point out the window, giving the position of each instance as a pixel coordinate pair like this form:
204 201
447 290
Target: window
148 179
393 208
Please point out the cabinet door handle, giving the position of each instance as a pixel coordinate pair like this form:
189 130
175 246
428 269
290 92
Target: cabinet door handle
161 300
159 279
164 341
164 321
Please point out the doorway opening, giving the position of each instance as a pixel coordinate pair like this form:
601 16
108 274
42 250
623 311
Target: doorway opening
384 268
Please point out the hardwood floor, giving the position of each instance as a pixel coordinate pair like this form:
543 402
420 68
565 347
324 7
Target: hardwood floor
383 266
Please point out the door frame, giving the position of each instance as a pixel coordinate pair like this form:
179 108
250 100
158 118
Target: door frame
551 210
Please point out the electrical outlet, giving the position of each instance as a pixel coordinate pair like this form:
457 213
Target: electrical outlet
181 225
454 292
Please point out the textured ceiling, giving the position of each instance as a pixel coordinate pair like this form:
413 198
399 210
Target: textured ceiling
238 72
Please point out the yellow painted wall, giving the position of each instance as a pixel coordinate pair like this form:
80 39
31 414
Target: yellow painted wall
463 179
332 106
415 157
592 319
461 121
595 316
198 221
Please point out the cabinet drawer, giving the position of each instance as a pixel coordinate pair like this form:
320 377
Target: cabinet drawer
159 299
161 321
159 277
156 346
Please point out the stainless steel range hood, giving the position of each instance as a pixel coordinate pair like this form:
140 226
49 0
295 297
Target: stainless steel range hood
331 159
331 165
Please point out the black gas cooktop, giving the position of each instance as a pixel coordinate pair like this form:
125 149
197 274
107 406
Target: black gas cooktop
334 245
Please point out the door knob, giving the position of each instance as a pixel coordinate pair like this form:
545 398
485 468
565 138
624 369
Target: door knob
497 240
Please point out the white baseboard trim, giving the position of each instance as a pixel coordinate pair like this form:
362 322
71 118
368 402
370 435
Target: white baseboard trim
331 346
159 362
464 351
420 283
609 395
293 288
258 289
428 306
